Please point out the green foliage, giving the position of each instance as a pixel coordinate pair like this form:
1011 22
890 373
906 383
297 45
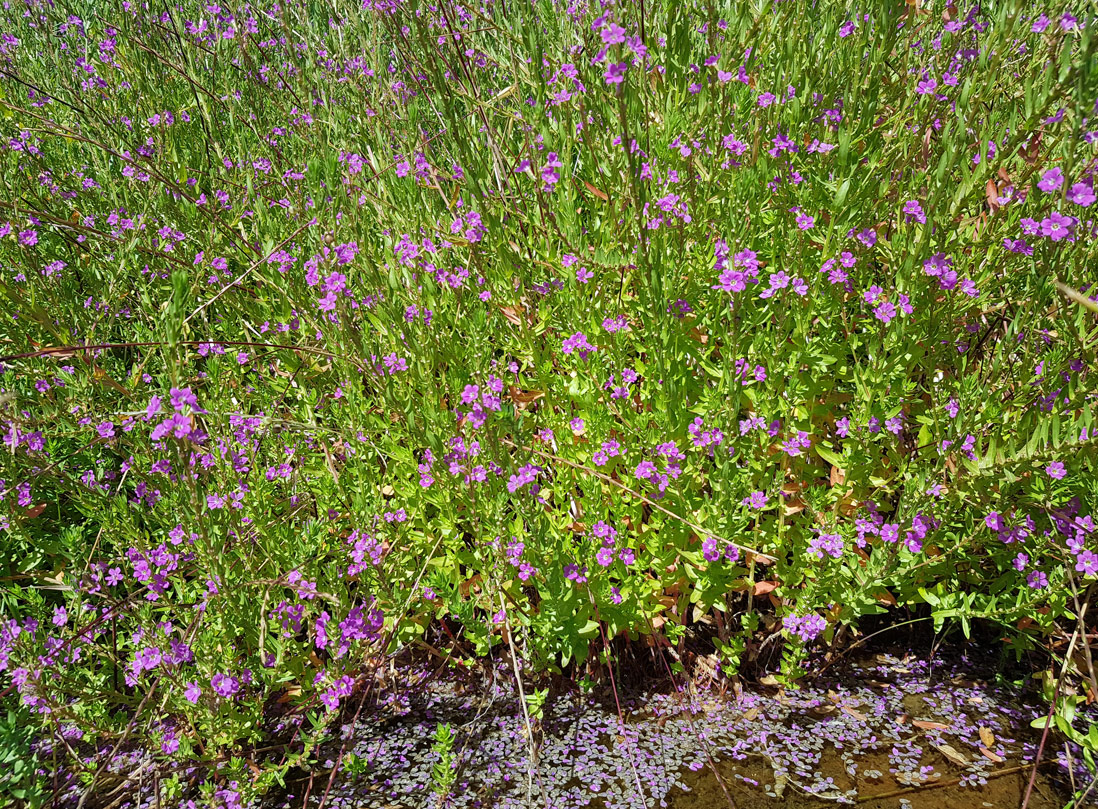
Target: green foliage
372 337
443 773
20 779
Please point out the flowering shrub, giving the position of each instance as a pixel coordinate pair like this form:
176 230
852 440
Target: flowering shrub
328 327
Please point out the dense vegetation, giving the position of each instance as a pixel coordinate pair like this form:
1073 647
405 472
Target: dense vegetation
333 329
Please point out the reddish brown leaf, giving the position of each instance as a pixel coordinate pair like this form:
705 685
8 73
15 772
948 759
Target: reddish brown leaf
952 753
761 588
600 194
885 597
991 191
34 511
466 586
524 397
851 712
291 692
512 313
991 756
925 725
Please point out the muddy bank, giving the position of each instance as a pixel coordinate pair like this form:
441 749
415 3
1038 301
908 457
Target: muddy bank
885 732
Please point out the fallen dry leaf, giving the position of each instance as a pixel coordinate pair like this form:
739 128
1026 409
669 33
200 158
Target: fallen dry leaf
991 756
761 588
987 737
885 597
291 692
524 397
925 725
512 313
952 753
851 712
600 194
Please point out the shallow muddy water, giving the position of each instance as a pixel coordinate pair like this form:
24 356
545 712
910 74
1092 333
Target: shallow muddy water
889 733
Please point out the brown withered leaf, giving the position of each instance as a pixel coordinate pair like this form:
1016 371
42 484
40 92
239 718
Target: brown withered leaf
851 712
952 753
512 313
761 588
291 692
837 476
885 597
524 397
751 715
991 756
991 191
925 725
793 505
34 511
466 586
699 335
600 194
1031 150
987 737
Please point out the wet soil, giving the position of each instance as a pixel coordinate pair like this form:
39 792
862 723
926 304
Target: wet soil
886 733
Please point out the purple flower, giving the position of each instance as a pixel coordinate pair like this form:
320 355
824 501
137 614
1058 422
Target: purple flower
1081 194
223 685
885 311
926 87
914 211
807 628
1056 470
757 500
1051 180
1057 226
577 343
826 544
1087 563
613 34
106 429
1037 580
615 73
